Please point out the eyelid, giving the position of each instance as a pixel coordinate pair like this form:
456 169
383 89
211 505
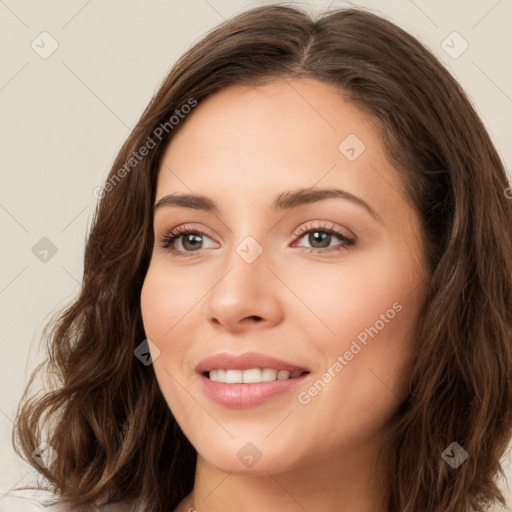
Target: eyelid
325 226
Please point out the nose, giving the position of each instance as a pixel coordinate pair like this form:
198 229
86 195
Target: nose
247 296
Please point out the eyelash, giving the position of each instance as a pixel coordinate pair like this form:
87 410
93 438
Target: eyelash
346 243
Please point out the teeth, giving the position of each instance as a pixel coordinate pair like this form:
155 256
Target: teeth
251 376
268 375
233 376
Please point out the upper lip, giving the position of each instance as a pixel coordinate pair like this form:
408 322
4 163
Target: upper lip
245 361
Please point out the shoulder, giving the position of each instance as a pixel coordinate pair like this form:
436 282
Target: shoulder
17 503
11 502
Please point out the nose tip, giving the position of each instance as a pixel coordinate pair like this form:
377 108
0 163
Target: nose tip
241 290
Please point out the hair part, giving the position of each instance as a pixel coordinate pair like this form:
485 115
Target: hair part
108 418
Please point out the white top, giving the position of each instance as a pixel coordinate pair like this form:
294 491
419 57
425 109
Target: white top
13 502
16 503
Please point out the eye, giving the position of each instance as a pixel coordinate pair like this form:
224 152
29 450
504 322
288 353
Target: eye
191 240
320 238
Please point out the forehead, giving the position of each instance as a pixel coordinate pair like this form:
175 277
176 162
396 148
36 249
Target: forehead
286 118
247 143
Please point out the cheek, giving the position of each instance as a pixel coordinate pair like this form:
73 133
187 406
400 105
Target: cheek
369 312
349 297
166 297
372 309
166 303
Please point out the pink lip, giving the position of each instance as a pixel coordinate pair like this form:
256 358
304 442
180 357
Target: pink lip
246 395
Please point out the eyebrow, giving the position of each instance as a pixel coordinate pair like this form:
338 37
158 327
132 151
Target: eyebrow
284 201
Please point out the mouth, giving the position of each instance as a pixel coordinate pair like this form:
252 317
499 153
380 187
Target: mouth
248 367
248 379
252 375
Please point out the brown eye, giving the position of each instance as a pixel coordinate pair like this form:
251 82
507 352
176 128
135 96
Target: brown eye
320 239
191 241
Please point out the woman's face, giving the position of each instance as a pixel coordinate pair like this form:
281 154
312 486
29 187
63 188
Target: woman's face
272 268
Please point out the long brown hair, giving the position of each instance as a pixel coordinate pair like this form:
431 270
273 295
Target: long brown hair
116 438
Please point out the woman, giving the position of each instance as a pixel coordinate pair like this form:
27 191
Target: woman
297 289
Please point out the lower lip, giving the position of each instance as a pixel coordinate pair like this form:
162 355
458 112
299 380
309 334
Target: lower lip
247 395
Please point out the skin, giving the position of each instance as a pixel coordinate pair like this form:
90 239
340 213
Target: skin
242 147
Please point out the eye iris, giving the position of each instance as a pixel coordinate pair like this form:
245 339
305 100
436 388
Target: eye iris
187 239
313 238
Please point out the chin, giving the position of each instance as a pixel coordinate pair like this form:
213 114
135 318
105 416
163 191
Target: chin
246 458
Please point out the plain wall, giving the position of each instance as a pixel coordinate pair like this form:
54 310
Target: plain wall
64 118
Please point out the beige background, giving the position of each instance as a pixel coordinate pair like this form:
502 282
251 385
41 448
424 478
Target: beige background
64 117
